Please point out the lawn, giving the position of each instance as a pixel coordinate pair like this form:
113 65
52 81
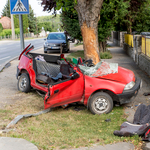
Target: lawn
80 53
63 128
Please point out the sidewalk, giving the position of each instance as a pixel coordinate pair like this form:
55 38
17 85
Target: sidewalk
120 57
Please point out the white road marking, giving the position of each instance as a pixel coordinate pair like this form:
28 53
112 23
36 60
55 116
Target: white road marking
5 58
38 47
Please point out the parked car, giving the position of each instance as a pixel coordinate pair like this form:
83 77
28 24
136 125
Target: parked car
62 83
54 41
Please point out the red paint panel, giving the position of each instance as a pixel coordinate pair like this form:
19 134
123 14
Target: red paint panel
124 76
69 91
94 84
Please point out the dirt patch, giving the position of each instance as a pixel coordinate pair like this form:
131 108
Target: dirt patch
9 93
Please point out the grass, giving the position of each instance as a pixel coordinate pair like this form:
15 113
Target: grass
105 55
80 53
77 44
76 54
63 128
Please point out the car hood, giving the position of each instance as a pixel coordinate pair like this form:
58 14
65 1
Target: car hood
123 75
56 41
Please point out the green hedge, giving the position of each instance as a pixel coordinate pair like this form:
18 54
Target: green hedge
7 32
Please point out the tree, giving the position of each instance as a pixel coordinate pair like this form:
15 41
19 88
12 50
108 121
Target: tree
70 22
52 23
25 23
28 20
6 10
134 8
142 20
1 28
46 25
111 14
109 19
32 20
89 15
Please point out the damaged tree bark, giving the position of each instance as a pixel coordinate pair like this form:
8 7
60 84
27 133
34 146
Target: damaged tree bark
89 15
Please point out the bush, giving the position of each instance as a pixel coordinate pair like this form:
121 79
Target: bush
1 28
17 31
105 55
7 32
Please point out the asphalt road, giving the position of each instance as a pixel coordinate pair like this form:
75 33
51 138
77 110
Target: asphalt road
11 49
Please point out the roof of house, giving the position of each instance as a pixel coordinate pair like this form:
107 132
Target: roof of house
6 22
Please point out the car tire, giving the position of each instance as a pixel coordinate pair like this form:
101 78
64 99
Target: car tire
100 103
24 83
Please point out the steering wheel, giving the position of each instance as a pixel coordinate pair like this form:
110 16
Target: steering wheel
88 63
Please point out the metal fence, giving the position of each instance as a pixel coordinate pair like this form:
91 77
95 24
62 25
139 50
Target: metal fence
145 48
17 36
129 39
145 43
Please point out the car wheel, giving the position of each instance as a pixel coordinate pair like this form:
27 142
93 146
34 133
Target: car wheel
100 103
24 83
45 50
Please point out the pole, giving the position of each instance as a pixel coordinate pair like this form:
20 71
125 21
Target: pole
12 27
21 33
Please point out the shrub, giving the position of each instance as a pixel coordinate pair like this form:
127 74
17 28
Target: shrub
105 55
7 32
1 28
17 31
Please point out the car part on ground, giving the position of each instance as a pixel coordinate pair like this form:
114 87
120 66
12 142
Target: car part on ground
19 117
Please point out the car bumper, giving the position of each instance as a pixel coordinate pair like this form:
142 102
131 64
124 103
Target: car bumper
57 49
128 95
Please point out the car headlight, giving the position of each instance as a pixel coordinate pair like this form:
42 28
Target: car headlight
129 85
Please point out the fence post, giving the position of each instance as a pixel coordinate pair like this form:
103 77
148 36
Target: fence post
145 45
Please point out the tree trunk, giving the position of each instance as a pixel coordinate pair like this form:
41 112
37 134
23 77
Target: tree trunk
129 25
102 46
89 15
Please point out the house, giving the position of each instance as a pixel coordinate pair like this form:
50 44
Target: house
6 22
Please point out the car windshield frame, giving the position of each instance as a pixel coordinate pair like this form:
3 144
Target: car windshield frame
56 36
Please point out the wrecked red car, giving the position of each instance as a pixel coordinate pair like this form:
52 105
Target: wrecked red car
97 87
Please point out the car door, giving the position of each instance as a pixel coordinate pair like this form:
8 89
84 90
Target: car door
64 92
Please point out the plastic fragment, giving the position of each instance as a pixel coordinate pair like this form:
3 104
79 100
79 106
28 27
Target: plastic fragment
19 117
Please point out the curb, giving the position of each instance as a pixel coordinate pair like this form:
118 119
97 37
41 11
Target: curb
4 64
146 146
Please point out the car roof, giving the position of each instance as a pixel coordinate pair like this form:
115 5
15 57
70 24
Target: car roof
56 32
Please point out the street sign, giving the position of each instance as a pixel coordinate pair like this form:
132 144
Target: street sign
19 6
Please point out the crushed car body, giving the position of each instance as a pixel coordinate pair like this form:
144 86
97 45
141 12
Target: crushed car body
97 87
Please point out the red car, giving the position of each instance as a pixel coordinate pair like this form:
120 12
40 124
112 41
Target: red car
63 83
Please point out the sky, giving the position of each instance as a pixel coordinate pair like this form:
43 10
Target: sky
37 8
